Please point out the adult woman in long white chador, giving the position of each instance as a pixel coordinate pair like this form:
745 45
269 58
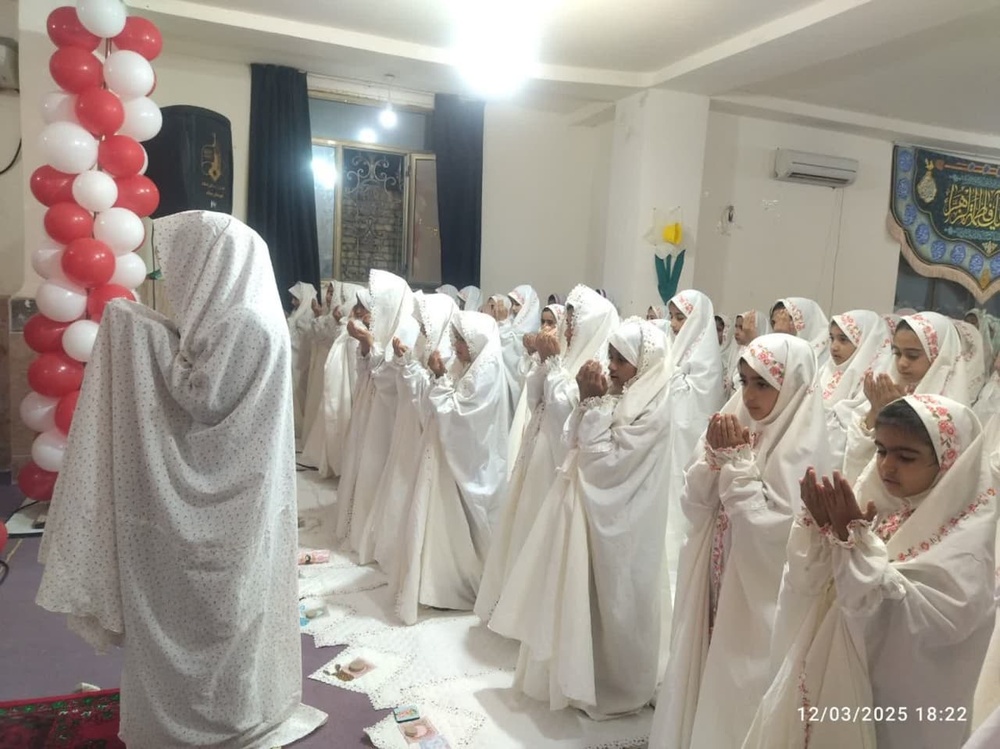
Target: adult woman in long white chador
696 392
553 321
927 359
462 476
387 521
584 595
552 395
172 532
374 404
524 319
804 319
470 299
326 328
860 344
739 498
303 296
887 602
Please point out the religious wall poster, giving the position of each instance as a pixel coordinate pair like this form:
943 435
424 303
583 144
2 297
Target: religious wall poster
945 214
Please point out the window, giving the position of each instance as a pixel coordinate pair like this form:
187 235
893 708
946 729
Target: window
936 294
376 193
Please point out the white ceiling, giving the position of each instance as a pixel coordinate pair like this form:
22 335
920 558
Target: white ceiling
926 61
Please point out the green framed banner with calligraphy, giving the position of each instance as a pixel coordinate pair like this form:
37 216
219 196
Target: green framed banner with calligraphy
945 214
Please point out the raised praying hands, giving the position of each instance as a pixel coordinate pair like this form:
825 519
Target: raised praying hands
338 313
435 364
529 342
725 431
398 348
880 391
546 344
500 312
591 380
833 503
317 308
362 335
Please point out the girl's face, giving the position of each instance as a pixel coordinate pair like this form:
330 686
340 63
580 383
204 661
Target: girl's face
329 294
462 350
906 462
758 395
570 326
296 302
620 370
781 321
911 359
677 318
549 320
742 333
651 314
720 328
841 347
515 306
361 313
972 320
461 303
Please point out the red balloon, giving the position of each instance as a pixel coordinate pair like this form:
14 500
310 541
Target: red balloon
98 299
140 35
35 483
138 193
75 70
66 409
100 111
55 375
88 262
43 334
65 222
65 30
50 186
120 156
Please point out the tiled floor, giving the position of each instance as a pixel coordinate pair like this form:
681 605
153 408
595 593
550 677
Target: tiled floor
40 657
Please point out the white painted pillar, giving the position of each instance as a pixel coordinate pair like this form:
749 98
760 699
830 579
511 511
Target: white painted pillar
658 155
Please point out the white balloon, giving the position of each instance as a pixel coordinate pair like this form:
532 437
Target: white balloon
130 271
145 161
47 261
104 18
143 119
95 191
38 412
78 339
128 74
119 229
58 106
68 147
62 301
48 450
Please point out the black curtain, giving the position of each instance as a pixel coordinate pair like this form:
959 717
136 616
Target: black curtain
458 143
281 199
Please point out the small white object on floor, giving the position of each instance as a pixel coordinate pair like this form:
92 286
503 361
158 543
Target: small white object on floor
85 687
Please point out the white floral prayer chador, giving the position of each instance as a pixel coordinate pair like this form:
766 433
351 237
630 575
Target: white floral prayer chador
461 480
374 409
584 594
172 531
512 332
552 394
842 385
899 616
810 324
738 503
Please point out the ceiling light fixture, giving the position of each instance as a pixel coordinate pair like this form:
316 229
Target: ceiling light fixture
388 118
368 135
497 44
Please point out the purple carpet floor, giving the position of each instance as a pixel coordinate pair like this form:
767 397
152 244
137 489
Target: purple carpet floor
40 657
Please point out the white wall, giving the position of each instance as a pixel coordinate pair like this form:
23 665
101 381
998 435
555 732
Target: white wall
542 207
220 86
791 239
11 204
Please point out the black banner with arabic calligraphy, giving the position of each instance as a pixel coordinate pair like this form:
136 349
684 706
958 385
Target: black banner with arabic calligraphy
945 212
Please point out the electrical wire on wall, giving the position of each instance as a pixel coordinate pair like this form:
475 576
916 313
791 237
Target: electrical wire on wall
834 232
17 151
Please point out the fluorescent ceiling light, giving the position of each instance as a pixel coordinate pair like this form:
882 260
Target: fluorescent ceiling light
368 135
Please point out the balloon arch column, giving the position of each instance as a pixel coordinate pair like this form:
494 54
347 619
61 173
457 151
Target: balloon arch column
96 195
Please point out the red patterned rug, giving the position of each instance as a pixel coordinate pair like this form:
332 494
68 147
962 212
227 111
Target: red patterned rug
74 721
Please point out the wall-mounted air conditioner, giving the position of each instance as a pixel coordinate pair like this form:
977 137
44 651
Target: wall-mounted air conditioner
814 168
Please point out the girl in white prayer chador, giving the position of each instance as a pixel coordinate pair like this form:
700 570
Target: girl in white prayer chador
738 501
172 531
805 319
584 596
887 602
462 476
